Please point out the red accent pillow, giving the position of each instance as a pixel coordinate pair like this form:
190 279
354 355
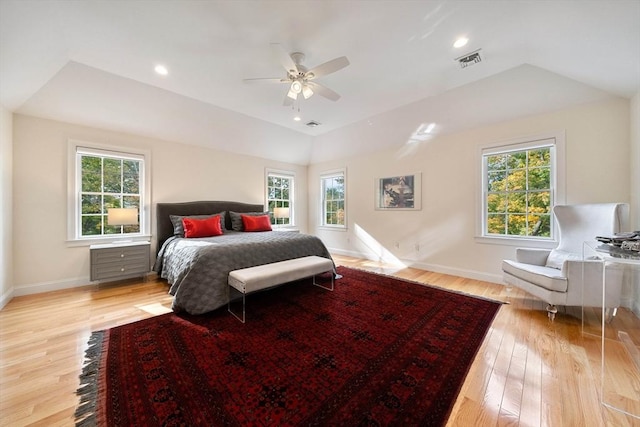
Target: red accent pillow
202 227
256 223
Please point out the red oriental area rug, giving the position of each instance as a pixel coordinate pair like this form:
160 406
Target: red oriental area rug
377 351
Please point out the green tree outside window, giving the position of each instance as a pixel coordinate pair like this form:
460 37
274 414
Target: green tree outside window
333 195
518 198
107 182
280 195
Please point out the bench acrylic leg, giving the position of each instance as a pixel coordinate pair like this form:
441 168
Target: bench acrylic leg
243 318
324 287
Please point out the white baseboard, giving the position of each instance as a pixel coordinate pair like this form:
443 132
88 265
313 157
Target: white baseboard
56 285
635 307
469 274
460 272
348 253
6 297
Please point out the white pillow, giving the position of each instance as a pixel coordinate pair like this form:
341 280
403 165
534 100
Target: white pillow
557 258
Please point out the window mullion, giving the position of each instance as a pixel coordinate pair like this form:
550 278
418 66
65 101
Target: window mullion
526 193
102 212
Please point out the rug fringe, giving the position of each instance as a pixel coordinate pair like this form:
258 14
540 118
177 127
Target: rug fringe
85 414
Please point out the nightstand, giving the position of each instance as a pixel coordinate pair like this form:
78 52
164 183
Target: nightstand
115 261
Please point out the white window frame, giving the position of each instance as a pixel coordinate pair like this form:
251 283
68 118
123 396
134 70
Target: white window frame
556 140
74 183
292 190
342 172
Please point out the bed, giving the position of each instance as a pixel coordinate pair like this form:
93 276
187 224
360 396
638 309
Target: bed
197 269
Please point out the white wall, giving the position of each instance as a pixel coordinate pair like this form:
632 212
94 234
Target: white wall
635 160
635 188
599 146
179 172
6 206
597 169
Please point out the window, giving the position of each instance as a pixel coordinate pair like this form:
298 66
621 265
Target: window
520 182
280 195
104 179
333 196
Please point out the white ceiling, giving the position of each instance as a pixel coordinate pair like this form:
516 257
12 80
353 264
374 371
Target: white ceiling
92 62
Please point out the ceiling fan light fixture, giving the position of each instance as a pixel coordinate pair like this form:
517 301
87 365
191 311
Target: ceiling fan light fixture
307 92
301 79
296 87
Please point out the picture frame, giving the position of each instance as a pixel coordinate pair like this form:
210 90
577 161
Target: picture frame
399 193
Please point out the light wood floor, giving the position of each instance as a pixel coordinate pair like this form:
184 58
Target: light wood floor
528 372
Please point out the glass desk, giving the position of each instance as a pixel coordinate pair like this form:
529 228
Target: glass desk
620 363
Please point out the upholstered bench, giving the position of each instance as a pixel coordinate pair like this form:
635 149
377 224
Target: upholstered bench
251 279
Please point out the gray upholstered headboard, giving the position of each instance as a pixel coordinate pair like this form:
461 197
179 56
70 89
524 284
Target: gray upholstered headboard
164 227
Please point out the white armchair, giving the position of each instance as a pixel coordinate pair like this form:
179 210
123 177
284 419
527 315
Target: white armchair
556 276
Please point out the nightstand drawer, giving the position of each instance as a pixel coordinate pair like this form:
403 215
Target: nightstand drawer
110 255
114 262
119 270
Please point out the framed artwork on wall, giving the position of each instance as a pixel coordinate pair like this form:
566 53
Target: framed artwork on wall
399 193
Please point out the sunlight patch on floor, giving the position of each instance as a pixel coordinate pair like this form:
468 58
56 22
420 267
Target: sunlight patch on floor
155 308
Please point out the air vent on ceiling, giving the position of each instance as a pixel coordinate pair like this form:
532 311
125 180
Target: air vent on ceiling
470 59
313 124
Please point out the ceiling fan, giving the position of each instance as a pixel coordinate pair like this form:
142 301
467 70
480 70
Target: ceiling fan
299 78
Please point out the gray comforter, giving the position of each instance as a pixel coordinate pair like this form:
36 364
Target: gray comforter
197 269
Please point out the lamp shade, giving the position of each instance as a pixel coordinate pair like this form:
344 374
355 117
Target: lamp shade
306 92
122 216
296 87
281 212
291 94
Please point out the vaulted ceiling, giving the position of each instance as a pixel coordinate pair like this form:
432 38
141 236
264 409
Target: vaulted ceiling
92 63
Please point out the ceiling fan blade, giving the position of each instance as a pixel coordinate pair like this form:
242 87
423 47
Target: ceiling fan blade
266 80
328 67
323 91
284 58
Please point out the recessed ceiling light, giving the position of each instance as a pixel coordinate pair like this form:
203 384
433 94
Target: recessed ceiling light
297 118
462 41
161 69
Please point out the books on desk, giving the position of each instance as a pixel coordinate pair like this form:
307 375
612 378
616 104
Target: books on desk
618 252
618 238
